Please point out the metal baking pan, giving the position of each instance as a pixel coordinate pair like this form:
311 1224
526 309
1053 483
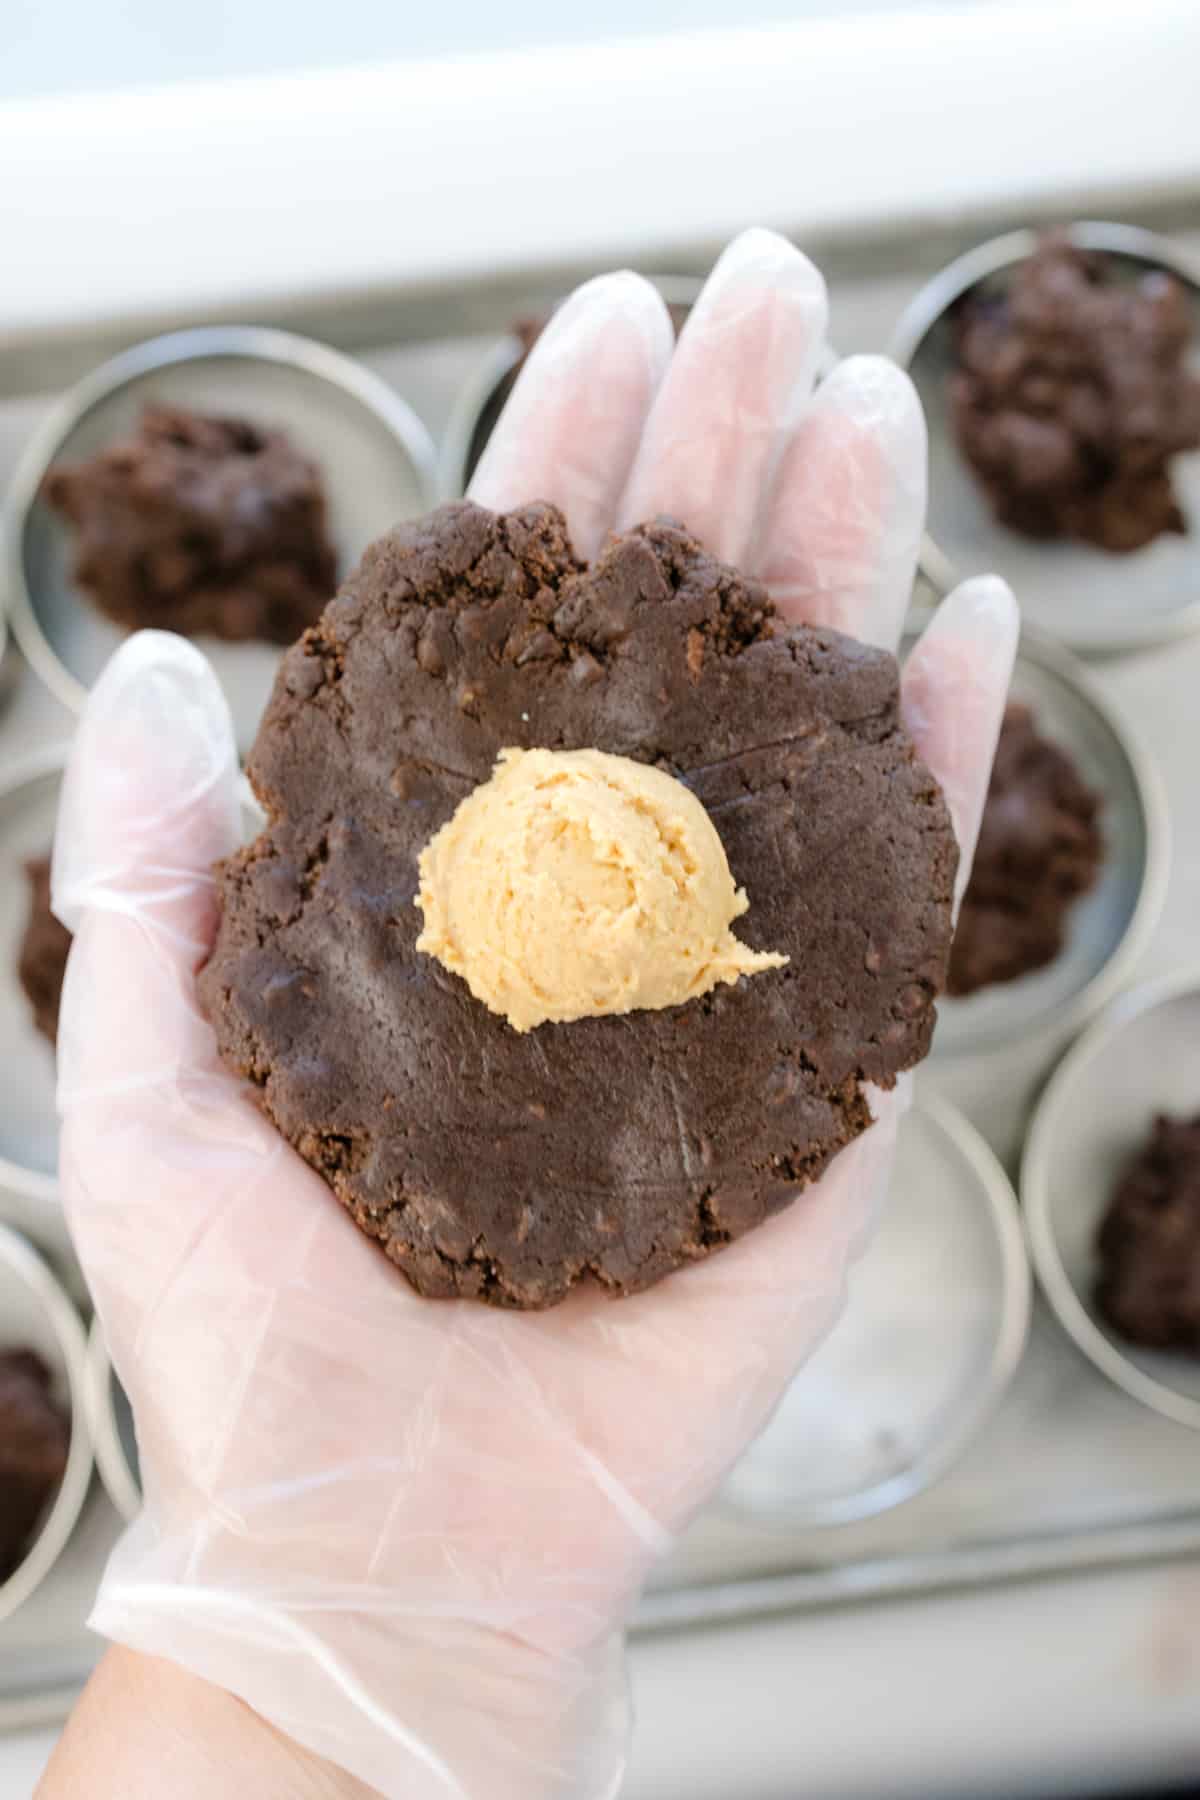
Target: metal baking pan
1141 1059
376 460
29 788
1090 599
894 1398
1109 927
1069 1472
36 1314
113 1438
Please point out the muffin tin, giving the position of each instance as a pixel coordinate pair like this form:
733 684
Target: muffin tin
36 1314
1089 599
375 456
894 1396
1107 928
1065 1470
29 789
1142 1058
113 1436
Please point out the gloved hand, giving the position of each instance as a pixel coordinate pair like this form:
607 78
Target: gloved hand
409 1533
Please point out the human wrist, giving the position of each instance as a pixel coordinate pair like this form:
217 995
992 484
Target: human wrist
144 1724
413 1705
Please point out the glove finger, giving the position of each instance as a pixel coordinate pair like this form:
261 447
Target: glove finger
744 363
149 803
571 426
843 526
952 698
149 798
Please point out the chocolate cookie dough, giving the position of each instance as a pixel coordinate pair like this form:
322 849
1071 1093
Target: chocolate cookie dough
44 948
1040 848
1148 1245
505 1165
34 1438
1073 394
200 525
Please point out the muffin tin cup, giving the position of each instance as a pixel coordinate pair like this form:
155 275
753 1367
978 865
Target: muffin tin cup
475 413
29 791
1108 928
483 398
1141 1058
1095 601
35 1313
893 1398
376 459
112 1429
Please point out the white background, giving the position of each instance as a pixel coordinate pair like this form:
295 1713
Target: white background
149 206
55 46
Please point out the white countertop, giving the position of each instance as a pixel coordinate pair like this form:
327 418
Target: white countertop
1085 1686
1070 1687
175 200
73 46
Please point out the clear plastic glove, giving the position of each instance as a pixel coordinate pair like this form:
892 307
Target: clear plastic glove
409 1533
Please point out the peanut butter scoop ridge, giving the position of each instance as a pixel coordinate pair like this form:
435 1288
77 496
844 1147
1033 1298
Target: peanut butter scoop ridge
572 884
